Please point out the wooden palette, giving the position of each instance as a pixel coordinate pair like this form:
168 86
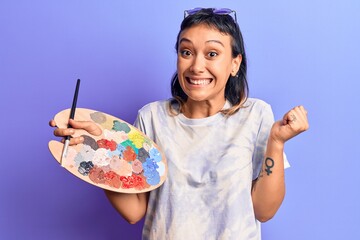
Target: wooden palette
121 159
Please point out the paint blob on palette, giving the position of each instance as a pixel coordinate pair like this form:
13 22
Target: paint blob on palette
121 159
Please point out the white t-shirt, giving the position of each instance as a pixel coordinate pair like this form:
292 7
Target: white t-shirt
211 164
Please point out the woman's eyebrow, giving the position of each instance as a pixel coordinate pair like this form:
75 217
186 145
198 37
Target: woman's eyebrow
185 40
209 41
215 41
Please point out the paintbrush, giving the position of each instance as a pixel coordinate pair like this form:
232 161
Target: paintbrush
72 114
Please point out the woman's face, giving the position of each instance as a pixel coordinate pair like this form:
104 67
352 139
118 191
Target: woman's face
205 63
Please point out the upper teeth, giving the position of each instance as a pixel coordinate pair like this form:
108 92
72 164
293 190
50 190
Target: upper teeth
200 81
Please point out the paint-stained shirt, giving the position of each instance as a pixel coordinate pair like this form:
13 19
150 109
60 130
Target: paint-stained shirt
211 164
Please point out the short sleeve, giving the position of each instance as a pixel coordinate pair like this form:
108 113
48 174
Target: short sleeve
143 122
266 122
139 123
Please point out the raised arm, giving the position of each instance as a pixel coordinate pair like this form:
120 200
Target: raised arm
269 188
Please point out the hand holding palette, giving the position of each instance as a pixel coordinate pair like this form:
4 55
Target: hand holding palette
121 159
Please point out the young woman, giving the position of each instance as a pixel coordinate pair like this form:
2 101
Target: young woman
224 151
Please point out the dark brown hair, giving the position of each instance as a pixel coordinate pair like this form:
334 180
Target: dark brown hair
236 89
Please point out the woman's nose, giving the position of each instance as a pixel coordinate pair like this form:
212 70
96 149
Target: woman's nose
198 64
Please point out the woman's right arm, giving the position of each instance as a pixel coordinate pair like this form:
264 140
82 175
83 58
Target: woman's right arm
132 207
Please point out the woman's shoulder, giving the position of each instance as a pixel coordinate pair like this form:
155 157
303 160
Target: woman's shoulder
256 104
155 106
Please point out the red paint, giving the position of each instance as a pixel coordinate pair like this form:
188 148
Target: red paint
112 179
129 154
133 181
104 143
97 175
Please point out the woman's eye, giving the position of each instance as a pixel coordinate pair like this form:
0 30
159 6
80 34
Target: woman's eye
185 53
212 54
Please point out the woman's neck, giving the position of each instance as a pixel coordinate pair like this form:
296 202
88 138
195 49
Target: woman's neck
202 109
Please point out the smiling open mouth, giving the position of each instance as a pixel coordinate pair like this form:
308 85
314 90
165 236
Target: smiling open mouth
198 81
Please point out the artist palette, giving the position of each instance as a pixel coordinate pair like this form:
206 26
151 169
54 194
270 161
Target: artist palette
121 159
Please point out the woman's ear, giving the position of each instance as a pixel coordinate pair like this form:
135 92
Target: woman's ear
236 62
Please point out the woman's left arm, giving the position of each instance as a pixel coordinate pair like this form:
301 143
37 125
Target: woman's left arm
268 189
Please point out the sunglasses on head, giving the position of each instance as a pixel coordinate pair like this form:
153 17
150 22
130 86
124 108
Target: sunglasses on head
218 11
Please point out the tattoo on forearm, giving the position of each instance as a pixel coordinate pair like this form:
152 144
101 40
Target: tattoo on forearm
269 163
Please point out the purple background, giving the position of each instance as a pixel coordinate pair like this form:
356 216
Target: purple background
305 52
